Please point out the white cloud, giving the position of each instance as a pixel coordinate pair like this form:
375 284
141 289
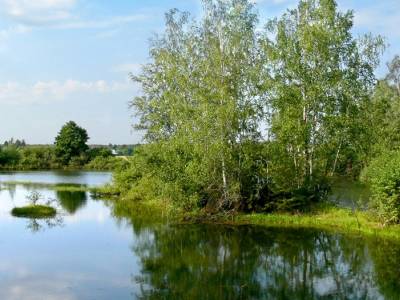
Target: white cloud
58 14
35 12
48 91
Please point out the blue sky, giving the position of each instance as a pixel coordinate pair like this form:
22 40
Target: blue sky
67 60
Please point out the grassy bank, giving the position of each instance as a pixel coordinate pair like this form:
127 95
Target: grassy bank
324 217
327 218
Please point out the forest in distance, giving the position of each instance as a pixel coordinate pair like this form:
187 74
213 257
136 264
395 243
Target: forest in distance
70 151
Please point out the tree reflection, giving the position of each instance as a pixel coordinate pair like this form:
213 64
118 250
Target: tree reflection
247 262
72 201
386 258
37 225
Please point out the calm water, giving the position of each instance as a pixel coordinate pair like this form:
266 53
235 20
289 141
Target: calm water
54 177
88 253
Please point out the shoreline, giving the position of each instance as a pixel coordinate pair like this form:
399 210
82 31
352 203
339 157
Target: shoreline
324 216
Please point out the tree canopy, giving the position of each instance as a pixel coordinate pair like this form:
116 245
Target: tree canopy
71 142
240 116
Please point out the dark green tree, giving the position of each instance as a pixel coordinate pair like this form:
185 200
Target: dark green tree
71 142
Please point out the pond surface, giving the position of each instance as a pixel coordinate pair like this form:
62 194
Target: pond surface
54 177
88 252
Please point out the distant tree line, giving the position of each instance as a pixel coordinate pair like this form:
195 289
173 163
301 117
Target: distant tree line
70 150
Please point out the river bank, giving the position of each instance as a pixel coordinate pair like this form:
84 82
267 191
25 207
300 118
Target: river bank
325 216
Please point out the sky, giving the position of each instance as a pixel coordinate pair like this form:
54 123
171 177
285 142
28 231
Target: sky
64 60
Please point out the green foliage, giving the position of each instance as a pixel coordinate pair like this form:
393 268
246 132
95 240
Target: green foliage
45 158
70 144
37 158
9 156
238 119
384 113
198 105
383 170
321 79
70 151
109 163
95 152
383 175
34 211
148 177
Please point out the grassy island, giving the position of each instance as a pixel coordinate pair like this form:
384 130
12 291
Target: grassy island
34 211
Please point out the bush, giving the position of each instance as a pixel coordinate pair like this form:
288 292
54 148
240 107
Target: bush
109 163
154 175
168 173
37 158
9 156
383 176
99 152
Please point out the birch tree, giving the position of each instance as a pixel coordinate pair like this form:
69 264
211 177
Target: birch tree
322 80
201 96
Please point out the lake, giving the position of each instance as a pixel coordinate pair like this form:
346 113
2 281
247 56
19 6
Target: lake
88 252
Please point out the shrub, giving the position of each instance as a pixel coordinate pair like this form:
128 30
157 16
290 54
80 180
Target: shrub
106 163
9 156
383 176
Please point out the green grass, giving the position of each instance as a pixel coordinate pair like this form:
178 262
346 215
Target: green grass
325 217
34 211
328 218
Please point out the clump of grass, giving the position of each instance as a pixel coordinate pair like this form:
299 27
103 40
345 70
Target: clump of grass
328 218
34 211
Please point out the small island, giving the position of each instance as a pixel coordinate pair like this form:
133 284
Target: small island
34 211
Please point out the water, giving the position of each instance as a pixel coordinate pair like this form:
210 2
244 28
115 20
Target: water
54 177
90 253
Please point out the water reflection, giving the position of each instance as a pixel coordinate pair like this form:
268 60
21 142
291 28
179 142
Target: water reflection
36 225
71 201
99 256
219 262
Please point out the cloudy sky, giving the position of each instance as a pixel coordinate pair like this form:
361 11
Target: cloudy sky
64 60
